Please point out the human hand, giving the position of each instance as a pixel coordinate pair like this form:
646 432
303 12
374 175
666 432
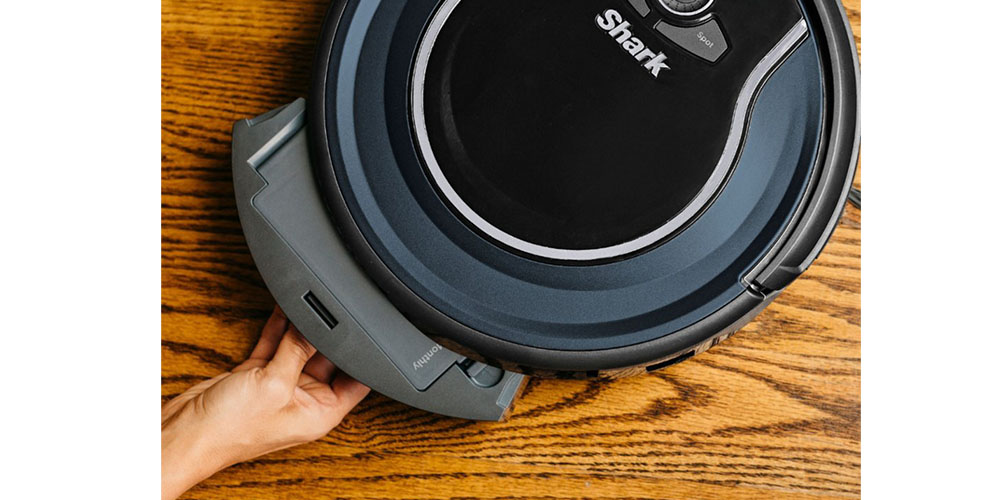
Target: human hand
284 395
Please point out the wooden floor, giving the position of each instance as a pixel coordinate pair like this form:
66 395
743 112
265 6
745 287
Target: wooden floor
772 413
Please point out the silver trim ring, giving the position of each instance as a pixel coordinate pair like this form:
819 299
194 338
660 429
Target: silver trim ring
718 177
693 13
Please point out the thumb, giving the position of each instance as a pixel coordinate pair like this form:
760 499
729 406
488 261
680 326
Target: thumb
291 357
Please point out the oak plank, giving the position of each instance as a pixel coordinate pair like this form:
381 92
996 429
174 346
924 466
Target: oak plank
773 412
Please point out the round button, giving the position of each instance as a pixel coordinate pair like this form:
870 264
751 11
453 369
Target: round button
686 7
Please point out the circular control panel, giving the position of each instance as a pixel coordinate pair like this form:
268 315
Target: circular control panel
686 7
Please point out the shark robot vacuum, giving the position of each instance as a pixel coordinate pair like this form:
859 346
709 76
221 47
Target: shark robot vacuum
475 191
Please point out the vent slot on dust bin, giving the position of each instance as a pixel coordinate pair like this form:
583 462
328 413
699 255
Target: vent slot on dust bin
669 362
321 311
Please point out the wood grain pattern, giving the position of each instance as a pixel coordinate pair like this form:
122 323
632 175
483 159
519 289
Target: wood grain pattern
773 412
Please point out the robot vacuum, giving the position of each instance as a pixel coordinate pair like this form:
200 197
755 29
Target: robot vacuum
478 191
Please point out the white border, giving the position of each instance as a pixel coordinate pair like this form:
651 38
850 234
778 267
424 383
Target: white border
81 248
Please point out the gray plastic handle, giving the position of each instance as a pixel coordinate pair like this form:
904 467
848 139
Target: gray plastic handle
327 295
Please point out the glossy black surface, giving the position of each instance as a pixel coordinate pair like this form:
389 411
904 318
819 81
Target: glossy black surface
552 132
684 7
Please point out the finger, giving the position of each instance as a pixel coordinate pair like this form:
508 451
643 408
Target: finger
291 357
270 336
320 368
349 392
250 364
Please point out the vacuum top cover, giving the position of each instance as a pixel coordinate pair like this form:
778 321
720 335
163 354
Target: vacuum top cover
588 184
583 139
